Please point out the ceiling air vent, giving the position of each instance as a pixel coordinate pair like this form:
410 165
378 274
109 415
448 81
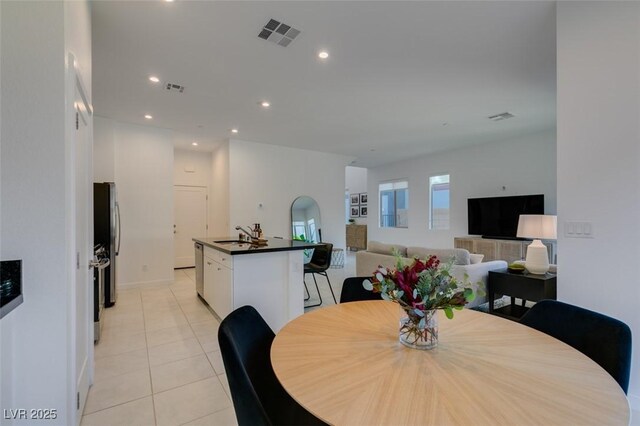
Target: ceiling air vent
278 33
174 87
503 116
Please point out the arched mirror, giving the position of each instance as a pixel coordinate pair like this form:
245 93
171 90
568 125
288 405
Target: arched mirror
305 219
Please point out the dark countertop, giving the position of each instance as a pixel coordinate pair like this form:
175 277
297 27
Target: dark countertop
273 244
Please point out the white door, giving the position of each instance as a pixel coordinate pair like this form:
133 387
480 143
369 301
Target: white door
82 291
190 213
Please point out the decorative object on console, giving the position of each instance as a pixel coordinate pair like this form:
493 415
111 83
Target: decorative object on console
537 227
475 258
420 289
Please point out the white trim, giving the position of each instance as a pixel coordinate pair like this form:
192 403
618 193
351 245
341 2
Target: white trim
143 284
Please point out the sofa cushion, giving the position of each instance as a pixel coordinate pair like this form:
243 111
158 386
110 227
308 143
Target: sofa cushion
380 248
461 256
475 258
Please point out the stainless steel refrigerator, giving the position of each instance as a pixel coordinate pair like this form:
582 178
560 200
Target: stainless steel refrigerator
106 231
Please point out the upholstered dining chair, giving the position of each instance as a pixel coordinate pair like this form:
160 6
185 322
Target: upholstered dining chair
258 397
605 340
352 291
319 263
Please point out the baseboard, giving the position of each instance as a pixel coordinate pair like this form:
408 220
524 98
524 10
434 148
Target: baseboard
634 402
144 284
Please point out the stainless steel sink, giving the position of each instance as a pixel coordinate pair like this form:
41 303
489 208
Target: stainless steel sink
232 242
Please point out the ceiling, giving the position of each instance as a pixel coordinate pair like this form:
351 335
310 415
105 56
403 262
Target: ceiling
402 79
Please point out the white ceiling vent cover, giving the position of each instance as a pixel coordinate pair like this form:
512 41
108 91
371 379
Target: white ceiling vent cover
172 87
278 33
500 117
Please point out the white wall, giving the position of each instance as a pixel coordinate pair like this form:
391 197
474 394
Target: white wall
275 176
104 150
36 200
197 162
523 166
356 183
599 160
144 175
219 208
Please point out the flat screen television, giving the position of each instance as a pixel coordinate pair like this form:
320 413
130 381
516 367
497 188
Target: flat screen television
497 217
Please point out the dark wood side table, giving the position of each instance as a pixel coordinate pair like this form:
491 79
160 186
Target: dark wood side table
524 286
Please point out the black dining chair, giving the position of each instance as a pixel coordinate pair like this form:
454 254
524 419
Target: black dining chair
258 397
352 291
605 340
319 263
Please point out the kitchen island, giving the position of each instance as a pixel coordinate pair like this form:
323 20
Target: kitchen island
268 277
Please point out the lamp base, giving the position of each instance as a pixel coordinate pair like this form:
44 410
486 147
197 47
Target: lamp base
537 261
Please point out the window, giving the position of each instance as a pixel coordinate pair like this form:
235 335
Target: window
439 200
394 204
311 227
299 230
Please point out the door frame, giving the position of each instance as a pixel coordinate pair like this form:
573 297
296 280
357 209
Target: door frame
206 215
76 395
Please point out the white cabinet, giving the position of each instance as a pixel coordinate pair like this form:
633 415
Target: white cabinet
218 285
271 282
507 250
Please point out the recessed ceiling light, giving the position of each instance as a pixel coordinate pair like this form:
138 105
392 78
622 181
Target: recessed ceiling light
234 130
169 1
323 54
194 143
148 116
265 104
154 79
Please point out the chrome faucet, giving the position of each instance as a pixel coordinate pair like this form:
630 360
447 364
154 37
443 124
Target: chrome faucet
240 228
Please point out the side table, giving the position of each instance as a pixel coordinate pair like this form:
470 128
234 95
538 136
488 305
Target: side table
524 286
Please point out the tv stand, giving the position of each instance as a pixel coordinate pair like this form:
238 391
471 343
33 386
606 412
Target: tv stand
500 249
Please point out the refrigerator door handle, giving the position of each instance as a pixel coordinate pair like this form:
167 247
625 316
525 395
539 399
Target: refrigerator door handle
118 220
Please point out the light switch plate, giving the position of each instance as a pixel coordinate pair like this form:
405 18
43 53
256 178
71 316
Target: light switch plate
578 229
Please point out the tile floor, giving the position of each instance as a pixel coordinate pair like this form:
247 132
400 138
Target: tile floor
158 361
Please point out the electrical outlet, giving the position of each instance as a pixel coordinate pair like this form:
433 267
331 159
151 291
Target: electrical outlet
574 229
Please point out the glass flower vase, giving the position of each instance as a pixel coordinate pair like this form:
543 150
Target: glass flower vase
418 330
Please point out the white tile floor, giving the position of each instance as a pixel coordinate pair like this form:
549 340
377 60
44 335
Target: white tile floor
158 361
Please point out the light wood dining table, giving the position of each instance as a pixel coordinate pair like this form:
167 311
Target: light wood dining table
345 365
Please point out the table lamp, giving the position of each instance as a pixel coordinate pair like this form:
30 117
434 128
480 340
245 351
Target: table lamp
537 227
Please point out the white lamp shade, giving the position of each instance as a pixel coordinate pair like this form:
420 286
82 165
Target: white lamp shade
537 226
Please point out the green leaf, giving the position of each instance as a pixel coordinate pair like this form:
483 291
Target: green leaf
469 295
367 285
448 312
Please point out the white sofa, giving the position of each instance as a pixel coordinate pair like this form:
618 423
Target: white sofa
379 254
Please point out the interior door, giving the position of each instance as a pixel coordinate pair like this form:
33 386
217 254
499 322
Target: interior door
82 291
190 213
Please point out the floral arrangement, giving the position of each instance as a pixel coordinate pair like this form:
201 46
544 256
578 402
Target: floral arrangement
422 285
420 288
